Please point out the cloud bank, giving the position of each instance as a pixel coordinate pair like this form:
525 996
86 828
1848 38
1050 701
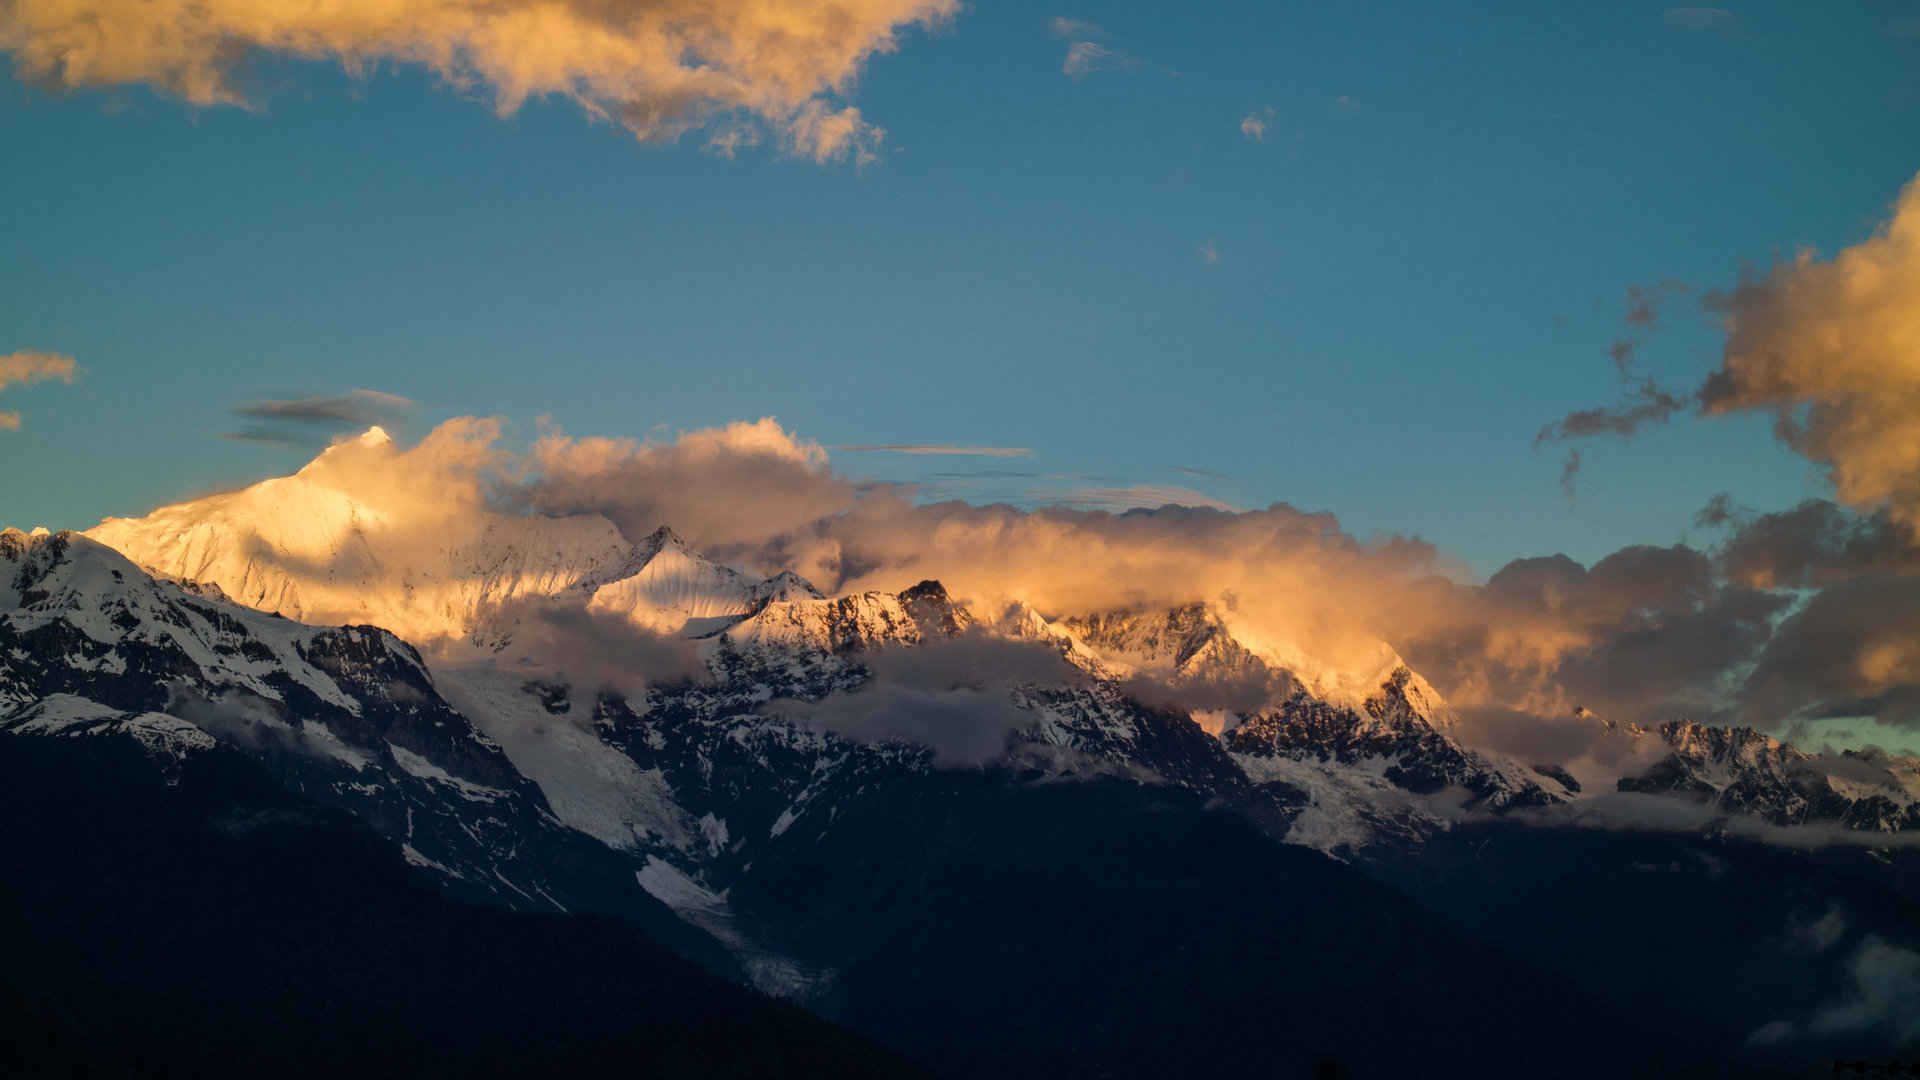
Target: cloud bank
1786 619
656 67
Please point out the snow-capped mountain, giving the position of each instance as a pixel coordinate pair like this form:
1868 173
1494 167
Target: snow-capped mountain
513 785
1745 772
90 646
1339 756
671 805
310 549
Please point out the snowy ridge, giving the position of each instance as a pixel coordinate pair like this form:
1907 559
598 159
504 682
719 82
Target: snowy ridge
315 554
1740 770
347 716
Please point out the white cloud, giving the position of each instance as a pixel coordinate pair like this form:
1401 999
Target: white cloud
1086 57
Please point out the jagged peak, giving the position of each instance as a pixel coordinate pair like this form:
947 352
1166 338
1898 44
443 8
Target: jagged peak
928 589
928 604
663 537
784 587
374 438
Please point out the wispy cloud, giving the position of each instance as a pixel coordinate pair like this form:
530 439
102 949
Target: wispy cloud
1253 126
299 421
988 474
353 407
1086 57
1085 52
25 367
1137 497
262 435
1205 473
1700 18
1064 27
656 69
937 448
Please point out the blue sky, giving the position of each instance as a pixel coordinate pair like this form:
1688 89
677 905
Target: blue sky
1421 263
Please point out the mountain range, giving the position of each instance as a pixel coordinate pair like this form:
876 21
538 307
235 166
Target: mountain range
990 840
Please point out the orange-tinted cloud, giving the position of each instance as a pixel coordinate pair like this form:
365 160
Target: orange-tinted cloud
1830 348
1643 635
656 67
1833 350
31 367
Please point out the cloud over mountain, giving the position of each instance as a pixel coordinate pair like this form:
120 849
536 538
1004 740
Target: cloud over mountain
1788 618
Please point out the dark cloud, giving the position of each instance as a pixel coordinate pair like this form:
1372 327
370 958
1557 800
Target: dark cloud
1646 405
244 719
303 421
259 434
1569 472
951 695
1646 633
357 407
559 640
1882 999
1645 302
1239 692
1814 544
1853 649
1811 937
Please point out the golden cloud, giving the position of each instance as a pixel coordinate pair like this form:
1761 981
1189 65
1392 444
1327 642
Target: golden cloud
657 67
1833 349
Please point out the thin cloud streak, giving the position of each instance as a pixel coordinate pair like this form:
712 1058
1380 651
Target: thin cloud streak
1700 18
1075 28
937 448
1136 497
354 407
302 421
